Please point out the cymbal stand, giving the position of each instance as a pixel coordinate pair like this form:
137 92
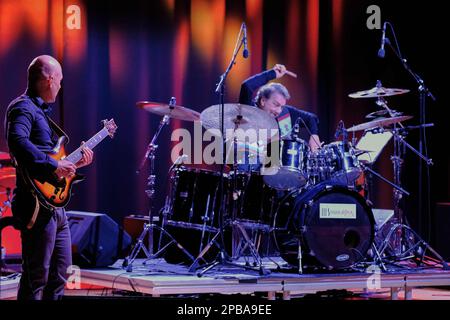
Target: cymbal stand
424 93
150 226
401 242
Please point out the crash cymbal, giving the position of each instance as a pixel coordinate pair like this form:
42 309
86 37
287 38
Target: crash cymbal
377 92
243 117
163 109
384 122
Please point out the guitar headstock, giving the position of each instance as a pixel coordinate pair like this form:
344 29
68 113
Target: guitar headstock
111 126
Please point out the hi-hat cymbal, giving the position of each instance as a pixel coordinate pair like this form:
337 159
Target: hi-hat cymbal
240 116
378 92
384 122
163 109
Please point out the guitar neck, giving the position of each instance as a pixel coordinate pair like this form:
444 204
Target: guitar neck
76 156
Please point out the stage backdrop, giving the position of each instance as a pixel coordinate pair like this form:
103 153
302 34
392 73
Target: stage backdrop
115 53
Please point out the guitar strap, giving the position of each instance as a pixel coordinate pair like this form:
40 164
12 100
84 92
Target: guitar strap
57 129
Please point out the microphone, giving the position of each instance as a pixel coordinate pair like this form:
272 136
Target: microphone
383 41
245 52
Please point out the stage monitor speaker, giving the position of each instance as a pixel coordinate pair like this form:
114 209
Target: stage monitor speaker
97 240
442 229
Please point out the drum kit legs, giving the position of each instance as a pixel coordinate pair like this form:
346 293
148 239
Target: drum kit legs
151 226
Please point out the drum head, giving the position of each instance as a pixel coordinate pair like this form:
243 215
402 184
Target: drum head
285 179
333 225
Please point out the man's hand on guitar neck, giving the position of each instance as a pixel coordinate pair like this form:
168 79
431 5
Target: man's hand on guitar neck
87 155
66 169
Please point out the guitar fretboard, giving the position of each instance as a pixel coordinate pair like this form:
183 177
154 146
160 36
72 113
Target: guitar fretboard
76 156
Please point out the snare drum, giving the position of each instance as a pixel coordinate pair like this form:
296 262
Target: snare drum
291 172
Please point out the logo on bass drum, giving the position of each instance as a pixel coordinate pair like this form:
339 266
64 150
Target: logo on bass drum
337 211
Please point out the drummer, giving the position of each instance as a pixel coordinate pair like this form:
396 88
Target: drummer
272 98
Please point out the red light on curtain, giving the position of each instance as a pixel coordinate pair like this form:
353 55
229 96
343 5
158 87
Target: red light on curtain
19 16
293 54
206 26
170 5
117 57
179 60
337 11
254 11
312 41
57 27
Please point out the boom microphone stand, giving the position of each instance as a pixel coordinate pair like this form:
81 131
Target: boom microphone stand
424 93
223 258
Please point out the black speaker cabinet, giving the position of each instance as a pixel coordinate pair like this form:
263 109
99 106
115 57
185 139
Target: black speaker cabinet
97 240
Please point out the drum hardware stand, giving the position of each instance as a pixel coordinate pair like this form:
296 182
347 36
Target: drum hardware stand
150 226
405 247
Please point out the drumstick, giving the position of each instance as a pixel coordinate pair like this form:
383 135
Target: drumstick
289 73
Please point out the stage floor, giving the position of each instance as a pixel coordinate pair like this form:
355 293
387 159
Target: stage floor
157 278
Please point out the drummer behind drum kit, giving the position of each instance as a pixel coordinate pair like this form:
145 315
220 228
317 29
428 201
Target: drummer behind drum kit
311 212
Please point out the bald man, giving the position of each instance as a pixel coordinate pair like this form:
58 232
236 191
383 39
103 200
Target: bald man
46 243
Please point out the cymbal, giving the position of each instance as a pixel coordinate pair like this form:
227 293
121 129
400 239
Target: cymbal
378 92
383 113
163 109
384 122
240 116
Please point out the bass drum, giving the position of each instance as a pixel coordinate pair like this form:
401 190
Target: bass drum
333 226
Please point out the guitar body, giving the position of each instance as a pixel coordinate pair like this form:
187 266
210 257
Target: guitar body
57 193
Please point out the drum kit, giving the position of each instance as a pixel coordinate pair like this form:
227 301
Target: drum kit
310 211
9 237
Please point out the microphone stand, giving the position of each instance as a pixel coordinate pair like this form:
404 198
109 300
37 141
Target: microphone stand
424 92
223 258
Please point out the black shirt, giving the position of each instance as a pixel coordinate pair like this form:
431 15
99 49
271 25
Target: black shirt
30 136
289 115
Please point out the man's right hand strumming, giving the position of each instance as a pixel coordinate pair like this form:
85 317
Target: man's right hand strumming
66 169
